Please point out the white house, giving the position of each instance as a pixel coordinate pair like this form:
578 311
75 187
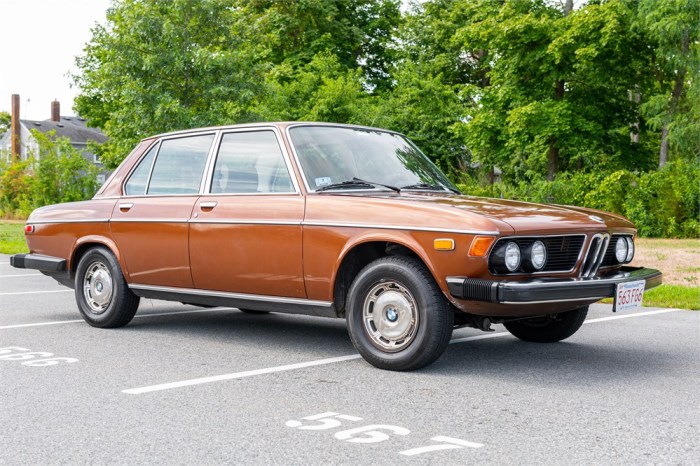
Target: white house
73 128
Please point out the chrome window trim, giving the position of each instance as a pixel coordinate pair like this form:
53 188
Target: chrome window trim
182 136
206 191
159 141
209 167
127 178
224 294
248 194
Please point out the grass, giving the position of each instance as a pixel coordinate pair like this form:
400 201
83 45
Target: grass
678 259
12 237
677 296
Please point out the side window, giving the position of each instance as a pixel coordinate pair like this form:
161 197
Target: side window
138 182
180 165
251 162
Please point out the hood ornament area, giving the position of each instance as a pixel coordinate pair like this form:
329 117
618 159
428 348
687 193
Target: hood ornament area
596 218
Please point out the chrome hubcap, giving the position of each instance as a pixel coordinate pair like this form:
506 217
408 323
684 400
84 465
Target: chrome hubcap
97 287
390 316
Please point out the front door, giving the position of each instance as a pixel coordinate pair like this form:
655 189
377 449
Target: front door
245 233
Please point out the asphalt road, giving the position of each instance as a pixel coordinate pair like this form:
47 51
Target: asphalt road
184 385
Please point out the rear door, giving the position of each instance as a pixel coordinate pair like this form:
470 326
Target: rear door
150 223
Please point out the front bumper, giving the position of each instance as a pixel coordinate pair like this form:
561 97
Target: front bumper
549 290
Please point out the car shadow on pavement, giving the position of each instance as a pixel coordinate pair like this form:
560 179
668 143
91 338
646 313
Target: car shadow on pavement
563 363
273 330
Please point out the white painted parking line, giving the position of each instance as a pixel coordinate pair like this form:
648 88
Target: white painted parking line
138 316
15 293
321 362
40 324
22 275
239 375
636 314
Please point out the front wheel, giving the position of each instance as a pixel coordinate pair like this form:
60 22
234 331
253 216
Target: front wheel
104 299
397 316
548 329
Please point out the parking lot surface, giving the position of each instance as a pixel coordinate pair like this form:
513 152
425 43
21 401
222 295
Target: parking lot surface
183 384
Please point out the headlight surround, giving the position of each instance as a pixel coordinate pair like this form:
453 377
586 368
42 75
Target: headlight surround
537 255
512 256
630 249
621 250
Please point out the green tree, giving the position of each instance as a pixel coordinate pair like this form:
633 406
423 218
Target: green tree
15 188
673 104
164 65
60 172
321 90
359 33
5 120
557 96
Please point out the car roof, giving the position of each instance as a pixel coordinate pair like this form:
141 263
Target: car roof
282 125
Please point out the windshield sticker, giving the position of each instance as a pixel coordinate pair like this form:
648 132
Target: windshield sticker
323 181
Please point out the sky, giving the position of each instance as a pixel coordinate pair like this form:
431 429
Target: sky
39 40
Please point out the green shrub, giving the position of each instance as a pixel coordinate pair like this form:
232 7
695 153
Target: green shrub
59 174
663 203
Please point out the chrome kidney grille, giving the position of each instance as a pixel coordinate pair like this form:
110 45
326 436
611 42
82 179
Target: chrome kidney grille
595 254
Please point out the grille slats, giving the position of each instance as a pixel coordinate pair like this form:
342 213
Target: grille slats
562 251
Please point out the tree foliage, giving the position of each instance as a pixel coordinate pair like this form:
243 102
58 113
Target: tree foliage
163 65
56 173
535 89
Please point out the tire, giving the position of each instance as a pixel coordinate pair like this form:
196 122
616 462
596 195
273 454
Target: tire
103 297
250 311
416 320
548 329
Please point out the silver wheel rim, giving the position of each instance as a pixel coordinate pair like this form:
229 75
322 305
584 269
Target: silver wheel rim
97 287
390 316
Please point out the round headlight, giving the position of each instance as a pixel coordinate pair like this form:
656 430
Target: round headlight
630 249
538 255
621 250
512 256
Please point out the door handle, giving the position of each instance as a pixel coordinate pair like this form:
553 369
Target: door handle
207 205
126 206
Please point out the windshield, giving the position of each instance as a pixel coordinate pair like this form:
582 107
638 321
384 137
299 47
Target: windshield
335 155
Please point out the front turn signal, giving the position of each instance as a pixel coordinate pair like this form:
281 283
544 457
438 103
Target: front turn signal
480 245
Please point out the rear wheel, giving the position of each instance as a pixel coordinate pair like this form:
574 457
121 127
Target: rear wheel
550 328
103 297
397 316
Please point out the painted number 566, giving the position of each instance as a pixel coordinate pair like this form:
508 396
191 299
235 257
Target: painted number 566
32 358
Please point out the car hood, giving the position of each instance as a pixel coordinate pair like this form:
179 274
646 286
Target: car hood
525 217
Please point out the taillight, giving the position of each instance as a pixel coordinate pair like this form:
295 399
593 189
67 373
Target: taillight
28 229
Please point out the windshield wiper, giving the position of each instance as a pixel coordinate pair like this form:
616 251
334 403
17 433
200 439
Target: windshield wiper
345 184
356 183
431 187
388 186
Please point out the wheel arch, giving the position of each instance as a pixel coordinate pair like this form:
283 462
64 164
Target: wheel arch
86 243
358 254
